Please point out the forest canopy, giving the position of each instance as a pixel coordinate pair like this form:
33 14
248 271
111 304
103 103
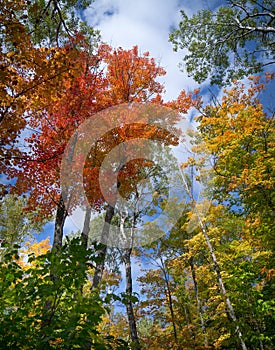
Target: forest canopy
87 126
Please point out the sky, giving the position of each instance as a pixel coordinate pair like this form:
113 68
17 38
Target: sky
146 23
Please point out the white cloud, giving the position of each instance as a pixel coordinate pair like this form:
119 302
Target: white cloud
146 24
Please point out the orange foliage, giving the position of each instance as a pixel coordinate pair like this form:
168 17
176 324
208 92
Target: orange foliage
128 77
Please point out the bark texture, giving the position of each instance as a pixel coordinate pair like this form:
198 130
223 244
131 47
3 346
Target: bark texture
60 218
129 304
103 249
86 227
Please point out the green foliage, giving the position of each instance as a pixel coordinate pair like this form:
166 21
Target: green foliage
47 307
234 41
51 21
15 222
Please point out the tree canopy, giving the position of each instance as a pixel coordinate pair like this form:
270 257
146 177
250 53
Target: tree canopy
233 41
84 126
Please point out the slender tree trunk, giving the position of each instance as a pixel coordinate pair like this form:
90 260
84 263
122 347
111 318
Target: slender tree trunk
194 277
172 314
110 211
216 266
86 227
60 218
126 256
129 304
102 251
170 300
231 310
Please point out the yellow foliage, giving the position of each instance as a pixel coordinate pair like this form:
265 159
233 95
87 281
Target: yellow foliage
56 341
35 248
219 342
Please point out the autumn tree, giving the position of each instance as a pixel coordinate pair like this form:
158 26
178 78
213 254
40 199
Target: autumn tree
233 41
83 97
240 136
90 93
32 75
237 134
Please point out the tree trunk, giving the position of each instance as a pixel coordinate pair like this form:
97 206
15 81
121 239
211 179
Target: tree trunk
102 251
215 265
129 304
60 218
222 286
127 251
86 227
110 211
